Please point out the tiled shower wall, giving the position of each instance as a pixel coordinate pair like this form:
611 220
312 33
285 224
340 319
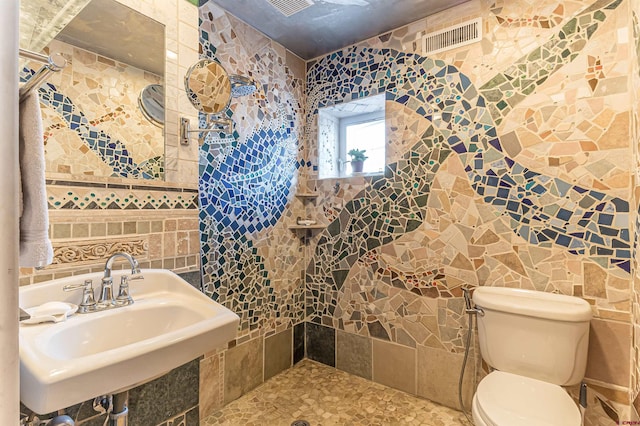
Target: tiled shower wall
252 262
510 164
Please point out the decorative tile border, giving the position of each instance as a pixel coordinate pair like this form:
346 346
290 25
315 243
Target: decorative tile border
65 195
86 252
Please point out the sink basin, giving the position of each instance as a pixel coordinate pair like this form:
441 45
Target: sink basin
94 354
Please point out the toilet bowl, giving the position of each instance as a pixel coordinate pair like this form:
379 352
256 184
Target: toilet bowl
537 342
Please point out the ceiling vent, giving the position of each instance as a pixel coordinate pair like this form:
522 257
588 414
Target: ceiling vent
459 35
290 7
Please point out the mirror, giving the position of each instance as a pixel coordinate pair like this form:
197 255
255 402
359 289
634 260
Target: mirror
151 103
208 87
103 114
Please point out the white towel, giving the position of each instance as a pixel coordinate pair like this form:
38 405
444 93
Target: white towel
35 246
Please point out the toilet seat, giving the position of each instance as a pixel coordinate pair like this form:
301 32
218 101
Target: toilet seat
505 399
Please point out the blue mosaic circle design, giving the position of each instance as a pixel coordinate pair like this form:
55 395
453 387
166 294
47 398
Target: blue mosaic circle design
248 189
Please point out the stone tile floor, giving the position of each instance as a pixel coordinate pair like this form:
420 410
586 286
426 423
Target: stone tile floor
325 396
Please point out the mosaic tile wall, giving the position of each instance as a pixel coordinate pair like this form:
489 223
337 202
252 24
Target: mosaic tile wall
91 119
510 164
252 262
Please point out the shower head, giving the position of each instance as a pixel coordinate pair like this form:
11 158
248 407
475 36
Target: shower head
241 86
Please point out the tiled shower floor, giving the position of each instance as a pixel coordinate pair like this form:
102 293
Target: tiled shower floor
325 396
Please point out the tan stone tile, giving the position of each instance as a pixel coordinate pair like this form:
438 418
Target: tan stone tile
182 243
155 246
114 228
98 229
144 227
354 354
243 369
80 230
278 353
438 376
169 244
157 226
608 358
170 225
61 230
394 366
211 398
194 242
129 228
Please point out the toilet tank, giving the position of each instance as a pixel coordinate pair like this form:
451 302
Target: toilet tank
535 334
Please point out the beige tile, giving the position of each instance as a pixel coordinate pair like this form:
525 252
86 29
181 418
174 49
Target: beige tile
80 230
194 242
182 243
277 353
187 224
242 369
438 376
394 365
156 226
608 358
170 225
211 397
353 354
62 230
129 228
98 229
114 228
144 227
155 246
169 244
169 264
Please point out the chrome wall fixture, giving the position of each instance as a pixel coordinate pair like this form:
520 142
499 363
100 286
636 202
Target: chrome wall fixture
224 125
210 90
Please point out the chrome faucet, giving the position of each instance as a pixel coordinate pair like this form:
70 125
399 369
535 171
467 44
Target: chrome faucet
106 294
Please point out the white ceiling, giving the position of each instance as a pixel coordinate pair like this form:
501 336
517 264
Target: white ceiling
329 25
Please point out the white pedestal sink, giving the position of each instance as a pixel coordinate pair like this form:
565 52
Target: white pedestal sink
88 355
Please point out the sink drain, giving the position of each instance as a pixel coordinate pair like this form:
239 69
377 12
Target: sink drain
300 423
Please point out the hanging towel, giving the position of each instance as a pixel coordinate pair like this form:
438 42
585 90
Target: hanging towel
35 246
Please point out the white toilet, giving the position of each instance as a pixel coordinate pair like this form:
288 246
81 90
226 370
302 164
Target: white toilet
537 342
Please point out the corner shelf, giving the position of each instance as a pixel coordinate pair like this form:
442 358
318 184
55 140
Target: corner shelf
299 227
307 195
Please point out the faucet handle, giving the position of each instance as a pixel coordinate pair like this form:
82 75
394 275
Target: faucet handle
124 298
88 303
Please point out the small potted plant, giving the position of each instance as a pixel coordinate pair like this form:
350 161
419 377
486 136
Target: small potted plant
357 159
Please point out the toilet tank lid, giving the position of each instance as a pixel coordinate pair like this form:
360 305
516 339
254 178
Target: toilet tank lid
533 303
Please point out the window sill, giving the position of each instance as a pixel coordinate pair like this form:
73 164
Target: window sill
354 176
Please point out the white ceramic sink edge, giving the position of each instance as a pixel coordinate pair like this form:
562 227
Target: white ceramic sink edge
98 353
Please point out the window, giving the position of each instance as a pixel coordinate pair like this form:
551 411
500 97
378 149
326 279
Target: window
359 124
364 132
